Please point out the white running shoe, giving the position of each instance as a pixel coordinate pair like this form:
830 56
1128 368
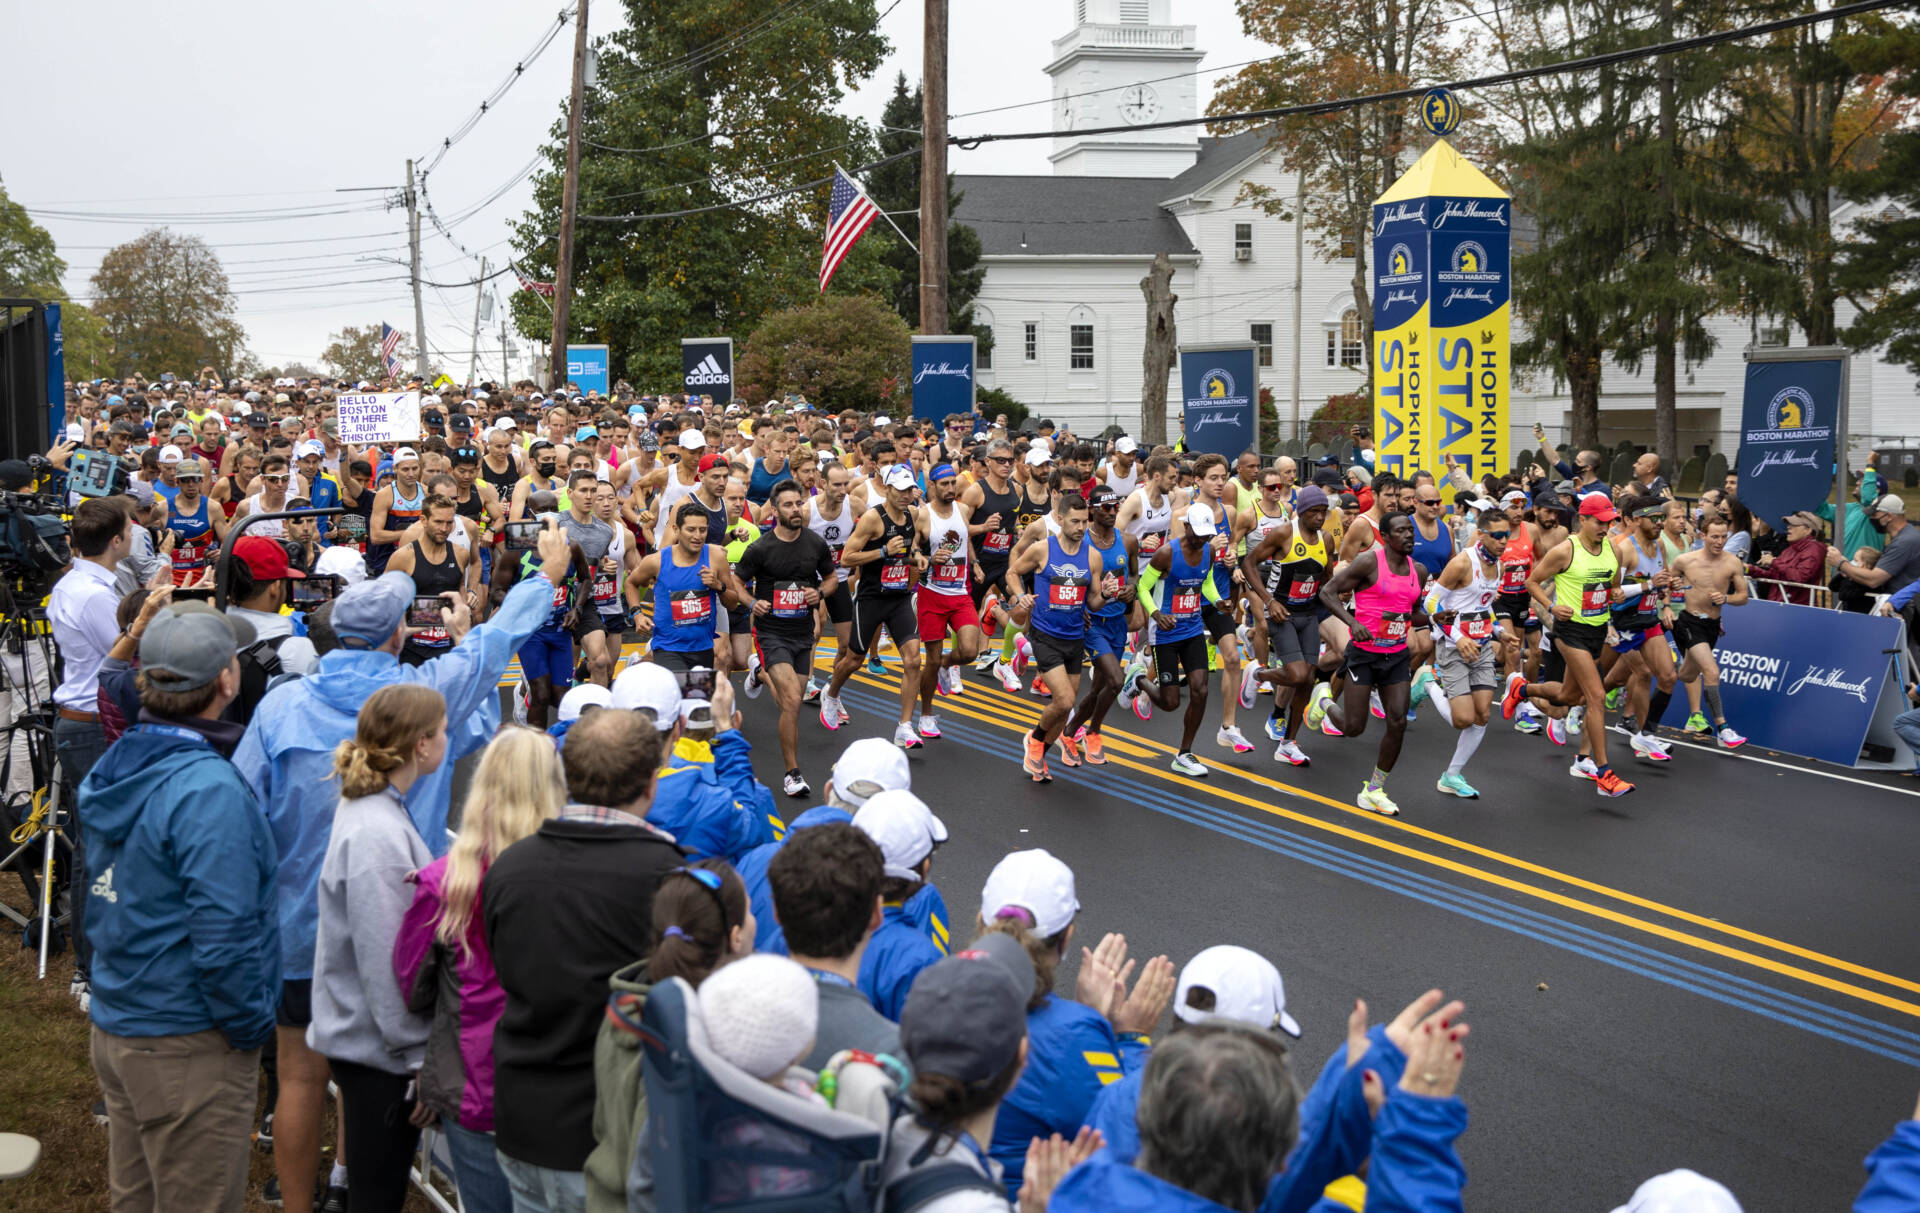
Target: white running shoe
929 726
1008 675
796 785
1649 749
906 738
1235 740
812 693
984 662
1291 752
753 685
1576 719
1185 763
955 684
1729 738
1584 768
1375 706
829 712
1249 686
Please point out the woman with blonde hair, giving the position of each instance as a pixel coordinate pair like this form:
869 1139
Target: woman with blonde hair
441 960
361 1023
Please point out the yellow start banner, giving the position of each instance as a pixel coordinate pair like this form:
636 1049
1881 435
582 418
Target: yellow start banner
1441 313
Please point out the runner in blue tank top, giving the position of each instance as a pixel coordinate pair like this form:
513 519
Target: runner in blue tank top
1068 581
1179 637
691 582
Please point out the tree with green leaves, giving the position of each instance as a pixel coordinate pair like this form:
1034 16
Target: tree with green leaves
165 305
895 188
1880 265
705 111
841 352
354 353
32 268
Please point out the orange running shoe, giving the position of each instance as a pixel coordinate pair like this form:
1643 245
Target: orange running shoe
1041 688
1094 750
1035 762
1611 785
1069 752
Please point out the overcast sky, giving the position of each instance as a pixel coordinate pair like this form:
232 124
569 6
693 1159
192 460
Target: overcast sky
200 115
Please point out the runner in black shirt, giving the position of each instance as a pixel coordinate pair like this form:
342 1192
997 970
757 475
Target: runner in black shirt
885 555
786 572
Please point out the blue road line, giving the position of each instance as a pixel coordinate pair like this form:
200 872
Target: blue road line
1794 1010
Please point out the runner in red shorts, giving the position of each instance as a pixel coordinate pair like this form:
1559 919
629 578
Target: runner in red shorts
944 602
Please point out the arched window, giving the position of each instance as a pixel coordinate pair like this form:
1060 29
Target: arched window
1080 343
1347 340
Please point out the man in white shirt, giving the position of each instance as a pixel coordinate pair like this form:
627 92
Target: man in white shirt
81 613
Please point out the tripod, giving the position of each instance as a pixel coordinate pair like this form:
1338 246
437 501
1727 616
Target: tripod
27 649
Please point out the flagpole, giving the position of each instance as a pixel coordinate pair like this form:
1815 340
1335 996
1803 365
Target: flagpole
876 206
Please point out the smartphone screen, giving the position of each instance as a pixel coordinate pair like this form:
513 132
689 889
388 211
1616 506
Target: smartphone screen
696 683
523 536
313 591
425 611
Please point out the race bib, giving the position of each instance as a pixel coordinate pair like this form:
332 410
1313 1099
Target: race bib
997 541
604 589
790 600
895 577
426 637
1477 625
1065 593
947 576
690 607
1595 596
1393 625
189 555
561 593
1300 591
1185 602
1513 577
836 552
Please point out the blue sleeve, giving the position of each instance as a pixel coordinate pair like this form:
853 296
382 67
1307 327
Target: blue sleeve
225 858
1415 1167
1563 469
1096 1059
1893 1173
1134 1051
733 765
250 757
470 671
1115 1114
1903 596
1336 1127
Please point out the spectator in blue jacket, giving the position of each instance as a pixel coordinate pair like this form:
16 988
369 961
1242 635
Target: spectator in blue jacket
1074 1047
287 756
906 831
709 807
1893 1172
585 697
185 980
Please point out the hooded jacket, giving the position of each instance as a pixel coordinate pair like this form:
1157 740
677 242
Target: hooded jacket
705 798
894 957
287 753
752 867
183 888
1071 1053
1893 1173
1102 1185
462 994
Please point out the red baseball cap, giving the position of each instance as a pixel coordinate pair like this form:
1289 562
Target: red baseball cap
1596 505
264 558
709 462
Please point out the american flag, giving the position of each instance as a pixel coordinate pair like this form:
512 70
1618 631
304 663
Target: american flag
849 213
390 349
538 288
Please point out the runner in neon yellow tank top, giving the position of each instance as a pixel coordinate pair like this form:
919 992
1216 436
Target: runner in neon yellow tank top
1578 582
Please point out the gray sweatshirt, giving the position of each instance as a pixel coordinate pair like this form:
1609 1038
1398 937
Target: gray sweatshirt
359 1012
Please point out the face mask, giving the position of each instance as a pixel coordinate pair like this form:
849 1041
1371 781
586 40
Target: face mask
546 469
1878 525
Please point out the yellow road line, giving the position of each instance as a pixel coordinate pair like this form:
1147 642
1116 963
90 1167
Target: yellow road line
997 707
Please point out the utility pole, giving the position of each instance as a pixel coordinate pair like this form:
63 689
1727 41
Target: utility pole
933 171
413 253
1299 283
506 371
479 295
569 201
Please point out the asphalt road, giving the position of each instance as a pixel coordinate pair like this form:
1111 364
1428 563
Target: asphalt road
1718 971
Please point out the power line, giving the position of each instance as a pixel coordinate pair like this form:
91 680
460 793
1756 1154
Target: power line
804 186
500 90
213 217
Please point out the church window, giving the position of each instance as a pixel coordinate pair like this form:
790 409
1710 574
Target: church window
1262 335
1032 341
1243 242
1346 345
1080 347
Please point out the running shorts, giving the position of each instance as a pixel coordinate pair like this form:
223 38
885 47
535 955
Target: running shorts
781 648
1379 669
891 611
936 614
1459 676
1218 622
1176 660
1295 638
1051 652
682 660
1107 636
1589 638
548 653
1690 629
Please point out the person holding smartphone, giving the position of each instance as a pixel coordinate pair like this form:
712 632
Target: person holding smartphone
438 569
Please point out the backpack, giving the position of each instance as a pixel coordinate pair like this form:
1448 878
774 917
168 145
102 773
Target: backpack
921 1187
260 672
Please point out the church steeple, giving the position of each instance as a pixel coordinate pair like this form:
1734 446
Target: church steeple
1124 64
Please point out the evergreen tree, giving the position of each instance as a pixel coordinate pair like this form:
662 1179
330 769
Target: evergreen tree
1880 266
896 188
703 103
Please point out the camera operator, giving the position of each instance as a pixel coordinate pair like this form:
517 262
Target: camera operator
81 613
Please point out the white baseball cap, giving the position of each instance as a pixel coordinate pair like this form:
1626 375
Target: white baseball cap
692 440
898 476
311 446
648 685
582 697
882 420
1244 986
171 454
405 453
342 562
1038 456
904 827
868 767
1681 1191
1199 519
75 432
1125 446
1033 881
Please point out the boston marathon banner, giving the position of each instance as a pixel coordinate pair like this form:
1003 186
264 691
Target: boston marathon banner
1789 424
1219 393
1441 318
706 367
943 379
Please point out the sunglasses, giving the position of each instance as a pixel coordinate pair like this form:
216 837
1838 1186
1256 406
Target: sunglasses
999 458
274 479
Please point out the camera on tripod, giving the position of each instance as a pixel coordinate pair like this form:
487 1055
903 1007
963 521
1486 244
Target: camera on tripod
33 535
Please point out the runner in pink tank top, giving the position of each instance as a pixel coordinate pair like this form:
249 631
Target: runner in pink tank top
1385 584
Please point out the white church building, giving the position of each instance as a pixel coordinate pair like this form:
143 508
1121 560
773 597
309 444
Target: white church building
1065 253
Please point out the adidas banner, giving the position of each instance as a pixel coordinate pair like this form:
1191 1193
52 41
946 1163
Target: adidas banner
706 365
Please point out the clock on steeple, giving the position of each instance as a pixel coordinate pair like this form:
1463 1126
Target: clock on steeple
1124 64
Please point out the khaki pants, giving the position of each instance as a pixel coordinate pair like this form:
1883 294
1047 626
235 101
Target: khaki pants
179 1120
